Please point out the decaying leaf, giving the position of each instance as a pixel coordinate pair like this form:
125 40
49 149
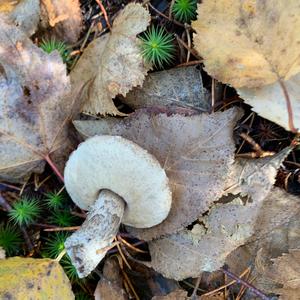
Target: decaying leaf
254 177
270 102
25 14
110 285
276 231
113 62
249 43
34 104
32 278
286 271
226 227
175 295
191 149
63 17
163 88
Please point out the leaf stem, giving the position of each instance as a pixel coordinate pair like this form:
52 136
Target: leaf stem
54 167
289 106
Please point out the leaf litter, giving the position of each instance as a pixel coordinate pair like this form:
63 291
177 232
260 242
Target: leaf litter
223 208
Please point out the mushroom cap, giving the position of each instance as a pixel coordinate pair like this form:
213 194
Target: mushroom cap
119 165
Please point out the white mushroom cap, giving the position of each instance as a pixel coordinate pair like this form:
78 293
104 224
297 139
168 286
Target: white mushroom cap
119 165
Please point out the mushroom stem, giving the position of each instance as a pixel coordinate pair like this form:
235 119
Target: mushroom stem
96 233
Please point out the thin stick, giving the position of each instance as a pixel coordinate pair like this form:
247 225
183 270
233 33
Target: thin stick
70 228
123 257
99 2
251 287
130 246
189 44
193 51
194 294
190 63
54 167
288 105
166 17
13 187
226 285
61 255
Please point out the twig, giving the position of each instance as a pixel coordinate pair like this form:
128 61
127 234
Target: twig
194 294
193 51
251 287
166 17
99 2
190 63
70 228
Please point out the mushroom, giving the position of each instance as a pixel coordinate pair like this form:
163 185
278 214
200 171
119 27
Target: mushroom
116 181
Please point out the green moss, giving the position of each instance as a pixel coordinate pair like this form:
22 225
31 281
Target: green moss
184 10
157 46
10 239
52 44
25 211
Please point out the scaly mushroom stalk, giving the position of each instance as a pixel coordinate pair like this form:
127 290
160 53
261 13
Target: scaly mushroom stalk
117 181
96 233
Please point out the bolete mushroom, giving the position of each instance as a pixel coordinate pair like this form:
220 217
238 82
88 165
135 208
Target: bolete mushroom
116 181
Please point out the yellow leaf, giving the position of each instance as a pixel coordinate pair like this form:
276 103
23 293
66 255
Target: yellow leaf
38 279
7 5
249 43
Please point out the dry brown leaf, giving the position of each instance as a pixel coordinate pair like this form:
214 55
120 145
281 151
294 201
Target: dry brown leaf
34 105
270 103
63 17
277 230
226 227
162 88
175 295
195 151
25 14
286 271
255 177
110 285
31 278
113 62
249 43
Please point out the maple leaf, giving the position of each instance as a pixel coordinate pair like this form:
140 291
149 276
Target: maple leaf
35 104
113 62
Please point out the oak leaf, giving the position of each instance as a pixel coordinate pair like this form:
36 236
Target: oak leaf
196 152
113 63
249 43
35 105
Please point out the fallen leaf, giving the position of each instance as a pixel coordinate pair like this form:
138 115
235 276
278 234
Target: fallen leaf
249 43
25 14
35 105
63 17
225 227
270 103
276 231
162 88
175 295
110 284
36 278
286 271
254 177
195 151
113 62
